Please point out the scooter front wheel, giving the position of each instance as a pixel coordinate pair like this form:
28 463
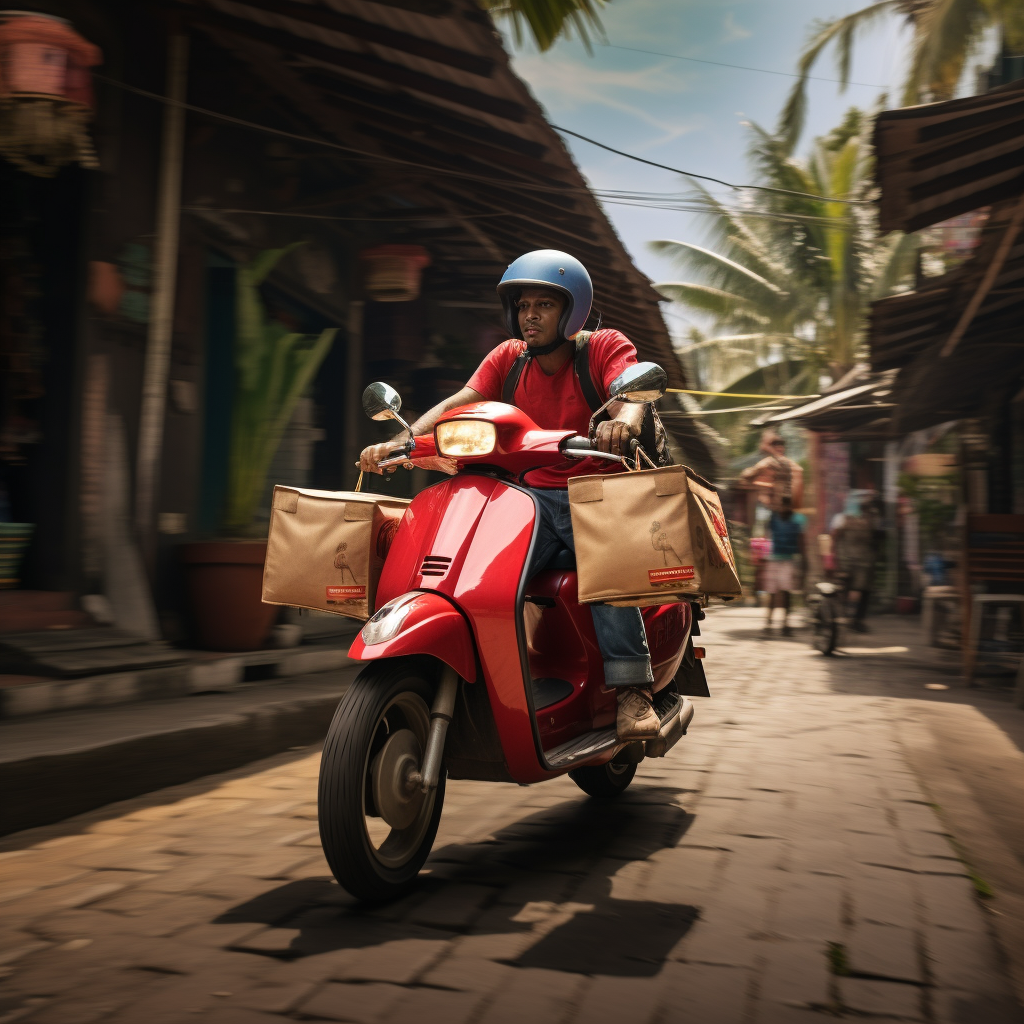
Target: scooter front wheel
376 825
603 780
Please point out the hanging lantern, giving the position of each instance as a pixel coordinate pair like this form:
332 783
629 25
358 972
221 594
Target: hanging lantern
46 99
393 272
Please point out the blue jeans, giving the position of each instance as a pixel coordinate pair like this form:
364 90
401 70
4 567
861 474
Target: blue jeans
620 631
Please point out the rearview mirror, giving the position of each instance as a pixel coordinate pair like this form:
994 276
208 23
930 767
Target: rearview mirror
382 402
643 382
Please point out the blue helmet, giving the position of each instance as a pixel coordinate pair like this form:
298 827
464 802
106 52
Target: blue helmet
548 268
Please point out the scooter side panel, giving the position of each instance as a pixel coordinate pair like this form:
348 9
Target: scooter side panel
486 590
439 524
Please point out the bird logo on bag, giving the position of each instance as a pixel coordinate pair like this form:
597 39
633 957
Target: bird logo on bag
673 573
659 538
355 591
341 562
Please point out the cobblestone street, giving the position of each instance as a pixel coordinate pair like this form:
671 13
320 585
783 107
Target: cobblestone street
782 864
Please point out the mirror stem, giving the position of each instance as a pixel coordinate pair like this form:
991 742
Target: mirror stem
597 412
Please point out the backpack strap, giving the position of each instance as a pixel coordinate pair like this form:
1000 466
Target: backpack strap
508 388
583 375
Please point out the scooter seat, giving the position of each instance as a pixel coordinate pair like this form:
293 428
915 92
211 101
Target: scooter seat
562 559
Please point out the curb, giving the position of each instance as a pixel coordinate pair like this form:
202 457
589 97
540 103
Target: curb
217 675
45 789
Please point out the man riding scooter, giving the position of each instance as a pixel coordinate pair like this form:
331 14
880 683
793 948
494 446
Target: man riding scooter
544 371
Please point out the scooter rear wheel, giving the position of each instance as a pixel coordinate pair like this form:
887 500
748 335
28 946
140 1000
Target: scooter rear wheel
603 780
376 827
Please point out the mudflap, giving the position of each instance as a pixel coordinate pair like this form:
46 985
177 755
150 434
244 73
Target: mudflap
690 678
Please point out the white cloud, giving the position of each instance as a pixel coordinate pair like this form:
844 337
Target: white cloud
567 85
734 31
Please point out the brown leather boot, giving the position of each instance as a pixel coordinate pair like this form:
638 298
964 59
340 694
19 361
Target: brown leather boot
636 719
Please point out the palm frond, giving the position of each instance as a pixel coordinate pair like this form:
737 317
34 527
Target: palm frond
546 20
842 32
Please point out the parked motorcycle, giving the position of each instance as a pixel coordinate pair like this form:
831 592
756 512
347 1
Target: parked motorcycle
475 670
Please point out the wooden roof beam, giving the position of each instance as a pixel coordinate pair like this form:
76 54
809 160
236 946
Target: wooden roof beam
347 62
373 32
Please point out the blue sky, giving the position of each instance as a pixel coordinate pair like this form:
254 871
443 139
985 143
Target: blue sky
686 114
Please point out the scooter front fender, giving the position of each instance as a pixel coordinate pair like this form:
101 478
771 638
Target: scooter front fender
430 624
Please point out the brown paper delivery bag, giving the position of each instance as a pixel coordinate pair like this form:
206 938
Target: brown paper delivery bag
326 549
650 538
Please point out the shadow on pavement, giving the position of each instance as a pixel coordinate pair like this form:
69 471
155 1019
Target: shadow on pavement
581 845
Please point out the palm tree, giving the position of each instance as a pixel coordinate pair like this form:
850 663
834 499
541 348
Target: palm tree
549 19
946 34
786 279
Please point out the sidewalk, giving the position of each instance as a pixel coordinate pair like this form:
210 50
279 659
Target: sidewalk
785 864
55 766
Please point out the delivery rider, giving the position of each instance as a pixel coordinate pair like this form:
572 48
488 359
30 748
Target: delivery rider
546 296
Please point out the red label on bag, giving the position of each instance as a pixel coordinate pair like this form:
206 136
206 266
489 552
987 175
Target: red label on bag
338 595
673 574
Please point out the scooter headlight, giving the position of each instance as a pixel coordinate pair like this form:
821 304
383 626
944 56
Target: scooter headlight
385 624
465 437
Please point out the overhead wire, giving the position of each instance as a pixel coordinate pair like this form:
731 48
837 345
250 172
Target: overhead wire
743 67
705 177
451 172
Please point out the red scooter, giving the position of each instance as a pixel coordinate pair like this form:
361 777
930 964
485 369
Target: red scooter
476 671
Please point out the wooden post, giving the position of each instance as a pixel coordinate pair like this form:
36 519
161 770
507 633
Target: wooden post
161 314
353 391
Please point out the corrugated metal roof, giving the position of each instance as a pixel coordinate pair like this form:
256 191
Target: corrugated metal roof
942 159
909 331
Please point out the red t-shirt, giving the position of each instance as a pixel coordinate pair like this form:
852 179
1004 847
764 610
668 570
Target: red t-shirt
556 402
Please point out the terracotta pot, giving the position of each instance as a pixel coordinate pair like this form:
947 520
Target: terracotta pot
225 584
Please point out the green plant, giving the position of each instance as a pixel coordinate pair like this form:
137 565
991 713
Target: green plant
946 34
934 500
787 278
273 367
549 19
838 961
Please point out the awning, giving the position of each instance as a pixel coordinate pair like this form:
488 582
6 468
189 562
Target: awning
942 159
863 406
910 331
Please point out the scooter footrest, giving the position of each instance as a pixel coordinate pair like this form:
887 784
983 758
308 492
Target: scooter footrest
581 747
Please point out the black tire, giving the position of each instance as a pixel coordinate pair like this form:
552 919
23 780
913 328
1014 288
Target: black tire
383 699
826 627
603 780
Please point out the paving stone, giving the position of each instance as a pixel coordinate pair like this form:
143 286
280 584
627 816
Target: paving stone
534 994
794 974
723 933
882 998
958 1007
963 960
608 1000
467 973
700 994
810 907
950 902
429 1006
884 896
453 907
359 1003
884 951
400 961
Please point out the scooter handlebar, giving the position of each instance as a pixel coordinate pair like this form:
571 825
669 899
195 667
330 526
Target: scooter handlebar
582 448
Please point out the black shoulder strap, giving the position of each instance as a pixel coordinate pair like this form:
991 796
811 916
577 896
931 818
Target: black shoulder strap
508 388
582 367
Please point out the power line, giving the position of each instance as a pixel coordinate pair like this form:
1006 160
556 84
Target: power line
450 172
743 67
705 177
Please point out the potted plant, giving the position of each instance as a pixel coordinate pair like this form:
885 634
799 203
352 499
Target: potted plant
273 367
